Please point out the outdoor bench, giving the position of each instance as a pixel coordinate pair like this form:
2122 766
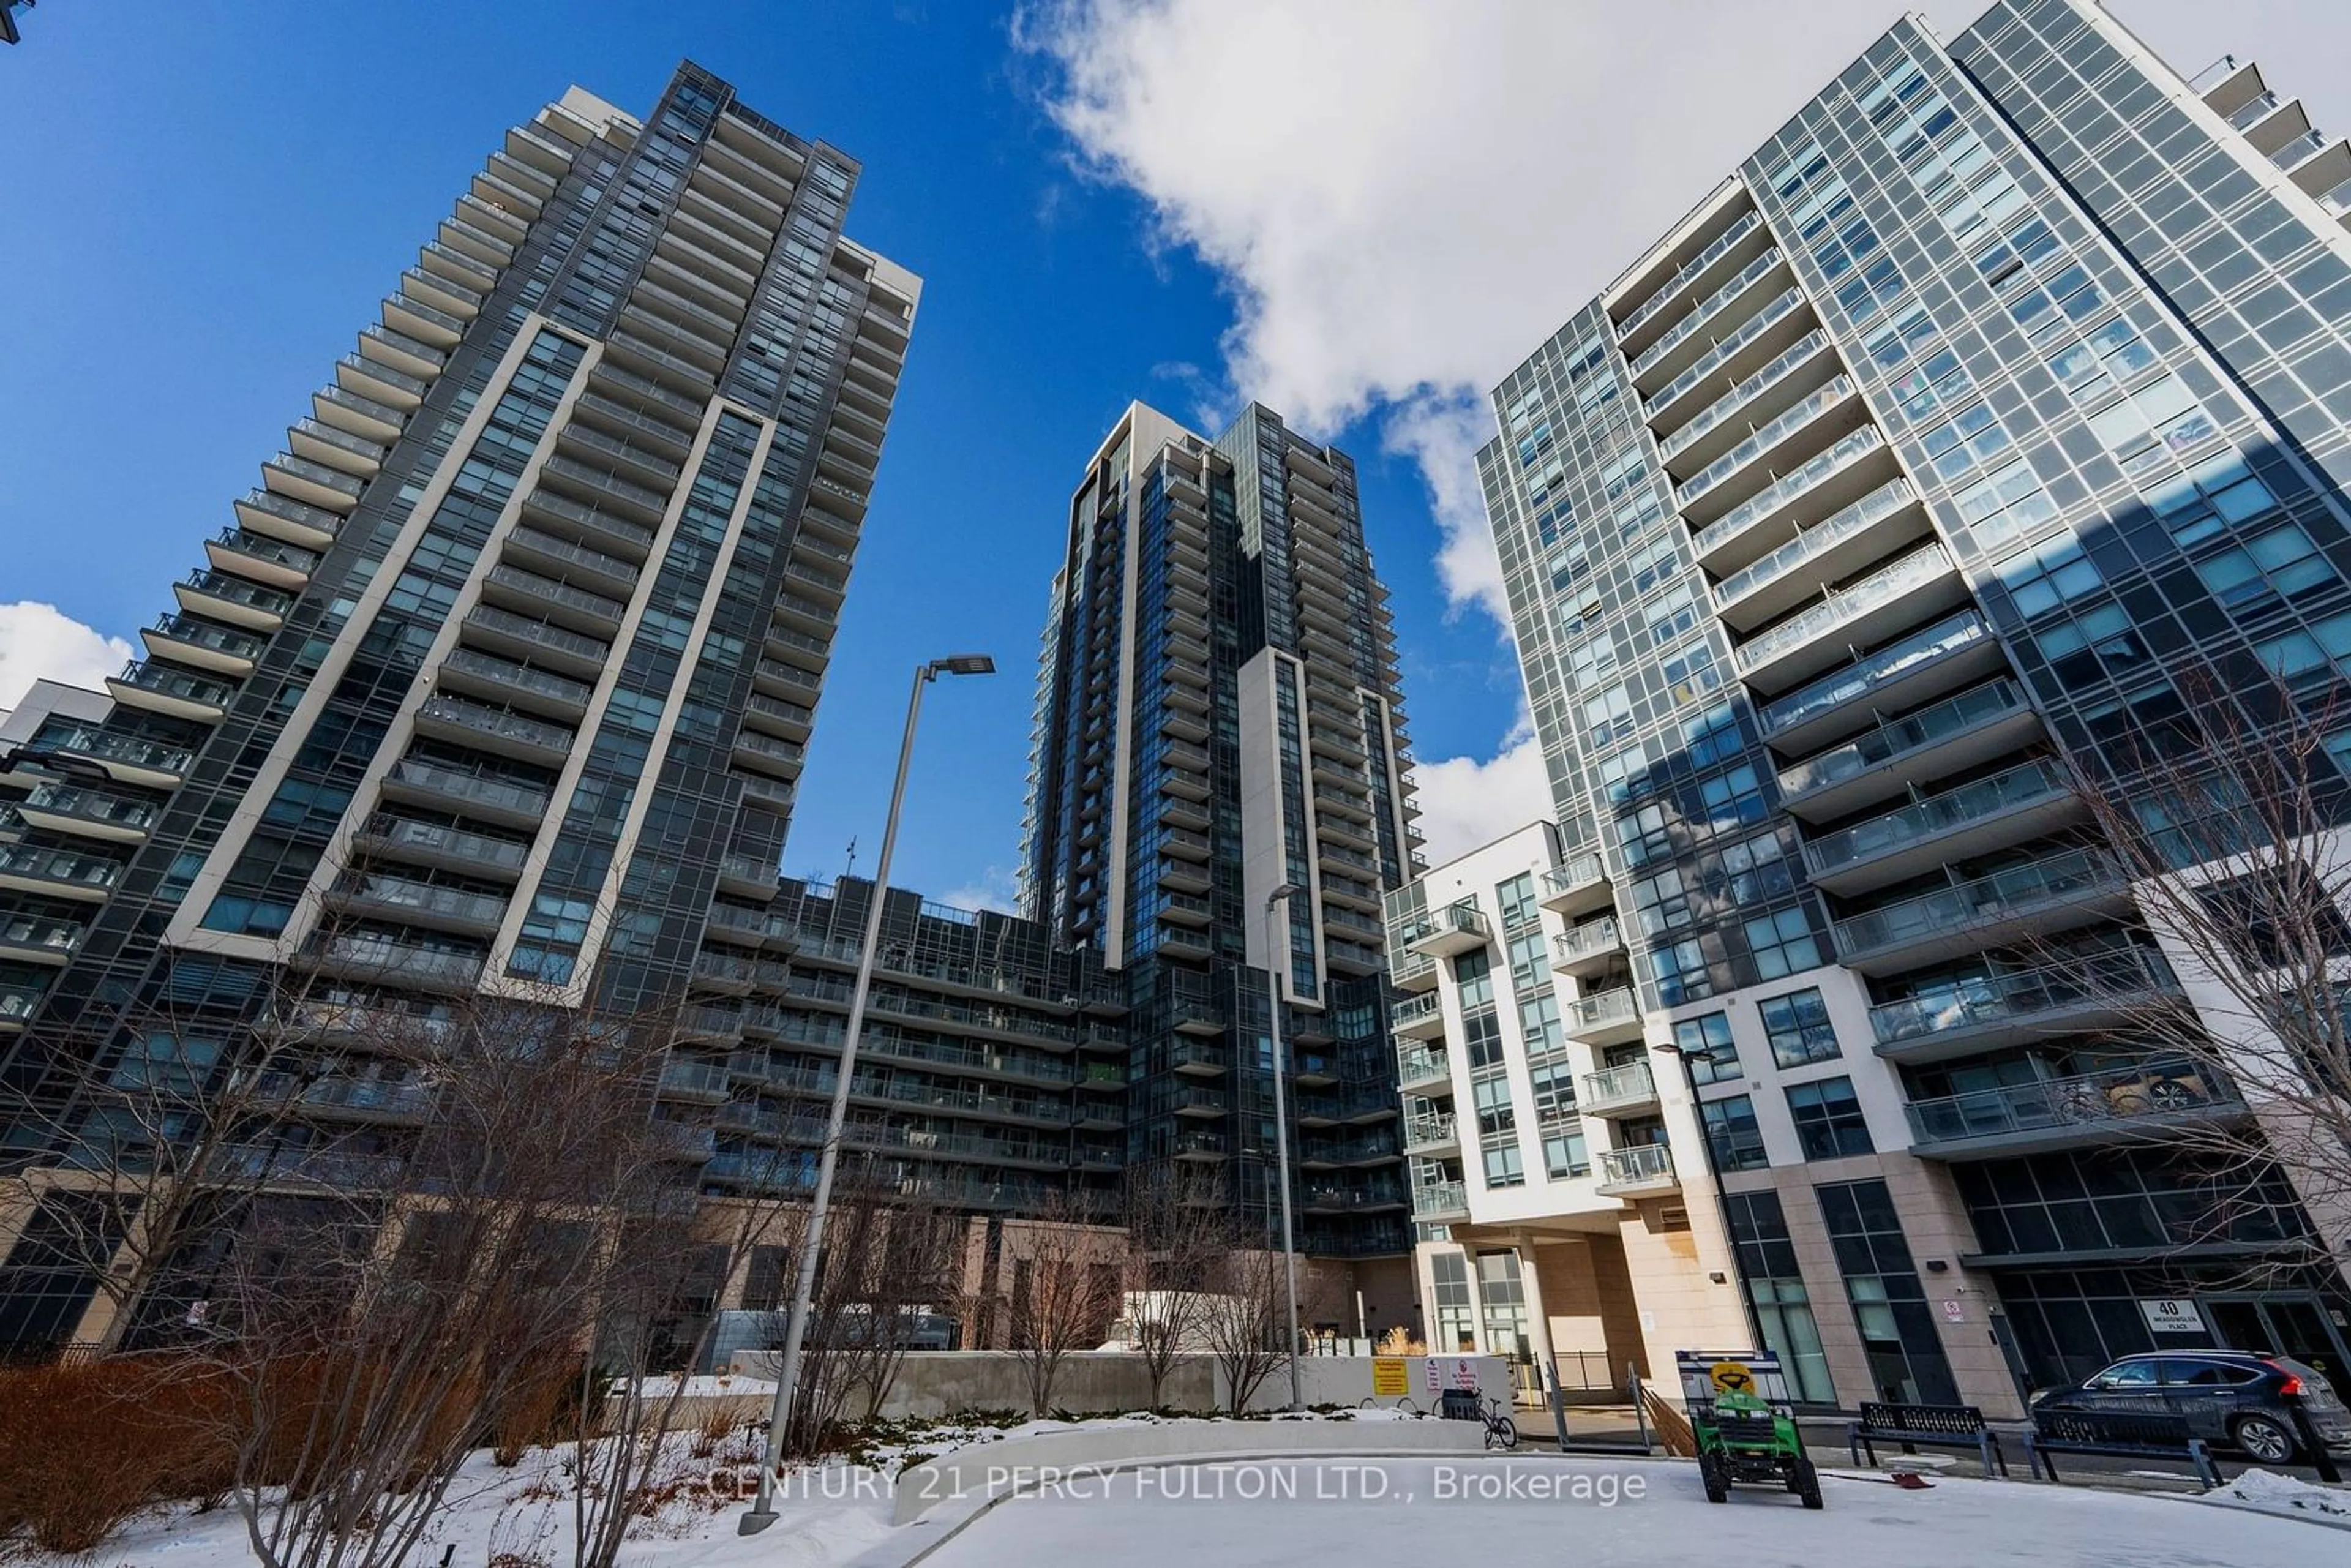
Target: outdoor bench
1930 1425
2101 1432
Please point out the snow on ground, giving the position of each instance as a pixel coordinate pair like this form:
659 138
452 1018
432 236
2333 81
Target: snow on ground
2285 1495
1550 1509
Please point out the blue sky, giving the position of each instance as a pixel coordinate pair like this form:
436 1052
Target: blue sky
1363 213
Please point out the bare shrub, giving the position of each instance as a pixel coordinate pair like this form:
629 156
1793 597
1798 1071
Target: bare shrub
1065 1289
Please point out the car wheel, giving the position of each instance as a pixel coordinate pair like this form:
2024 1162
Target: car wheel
1714 1473
2265 1439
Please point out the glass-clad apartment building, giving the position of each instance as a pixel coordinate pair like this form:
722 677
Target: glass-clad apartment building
1997 406
1218 716
498 680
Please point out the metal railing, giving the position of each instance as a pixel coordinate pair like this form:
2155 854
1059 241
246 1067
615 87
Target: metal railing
1978 1001
1588 940
1848 450
2026 784
1853 683
2090 1099
1644 1165
1619 1085
2078 874
1951 716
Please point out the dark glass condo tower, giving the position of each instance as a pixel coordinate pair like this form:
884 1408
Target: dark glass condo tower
501 676
1218 716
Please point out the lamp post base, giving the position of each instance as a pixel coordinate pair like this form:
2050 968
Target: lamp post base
755 1520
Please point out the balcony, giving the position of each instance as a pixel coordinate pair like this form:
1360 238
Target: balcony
1430 1135
160 688
1721 424
2016 804
1828 551
1608 1017
1902 755
527 593
58 874
410 903
1589 948
1927 664
1456 928
330 448
89 813
275 517
2142 1102
523 637
1412 972
1920 585
493 729
234 600
2056 893
1626 1091
17 1001
604 531
439 845
200 644
2097 990
263 560
1577 886
362 416
1435 1202
1202 1102
1765 335
379 383
1423 1070
1642 1171
490 798
310 484
1733 301
486 675
127 759
1191 1015
568 562
1823 485
1828 413
42 939
386 959
1420 1017
1199 1147
1695 275
605 490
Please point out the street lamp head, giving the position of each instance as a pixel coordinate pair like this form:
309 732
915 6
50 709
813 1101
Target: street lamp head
965 664
1286 890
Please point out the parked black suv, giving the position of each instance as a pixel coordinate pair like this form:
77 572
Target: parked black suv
2229 1397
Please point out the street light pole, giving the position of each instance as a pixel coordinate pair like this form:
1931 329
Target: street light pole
1276 955
1721 1197
788 1375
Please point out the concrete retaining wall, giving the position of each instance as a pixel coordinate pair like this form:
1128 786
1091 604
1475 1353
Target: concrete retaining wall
972 1478
944 1382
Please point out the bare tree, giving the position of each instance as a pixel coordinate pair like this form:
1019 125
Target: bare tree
1247 1325
1065 1286
1177 1239
2226 815
380 1307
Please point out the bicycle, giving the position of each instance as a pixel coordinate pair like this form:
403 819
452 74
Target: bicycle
1501 1432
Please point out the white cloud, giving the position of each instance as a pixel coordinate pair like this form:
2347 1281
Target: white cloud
996 889
1466 803
39 642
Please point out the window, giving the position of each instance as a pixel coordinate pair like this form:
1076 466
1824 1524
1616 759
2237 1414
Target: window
1554 1087
2003 504
2158 419
1516 899
2098 363
1706 1044
1961 445
1473 977
1798 1027
1731 1133
2038 580
1829 1123
1566 1154
1457 1313
2282 560
1782 943
1682 973
1491 1096
1539 1023
1504 1166
2209 497
1529 961
1481 1038
1775 1289
1898 1336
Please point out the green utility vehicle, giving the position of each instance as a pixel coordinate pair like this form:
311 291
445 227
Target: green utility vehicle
1745 1425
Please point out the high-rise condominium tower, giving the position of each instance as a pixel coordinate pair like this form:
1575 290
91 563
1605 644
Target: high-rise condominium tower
500 677
1989 418
1218 718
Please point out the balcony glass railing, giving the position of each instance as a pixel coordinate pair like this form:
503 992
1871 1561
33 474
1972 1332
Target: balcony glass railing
1714 358
2073 875
553 592
383 375
1777 429
1738 397
1855 682
545 545
398 834
1978 1001
519 678
1421 1066
488 721
1705 311
1880 503
212 638
1881 588
1666 292
496 794
258 547
1589 940
340 440
1644 1165
1772 498
178 685
1578 871
2091 1100
31 860
544 504
237 590
423 898
1619 1085
1608 1010
1954 716
555 639
1439 1197
94 806
404 959
131 750
40 932
2028 784
2299 151
317 520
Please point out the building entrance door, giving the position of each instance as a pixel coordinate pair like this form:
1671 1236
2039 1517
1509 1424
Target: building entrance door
2294 1325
